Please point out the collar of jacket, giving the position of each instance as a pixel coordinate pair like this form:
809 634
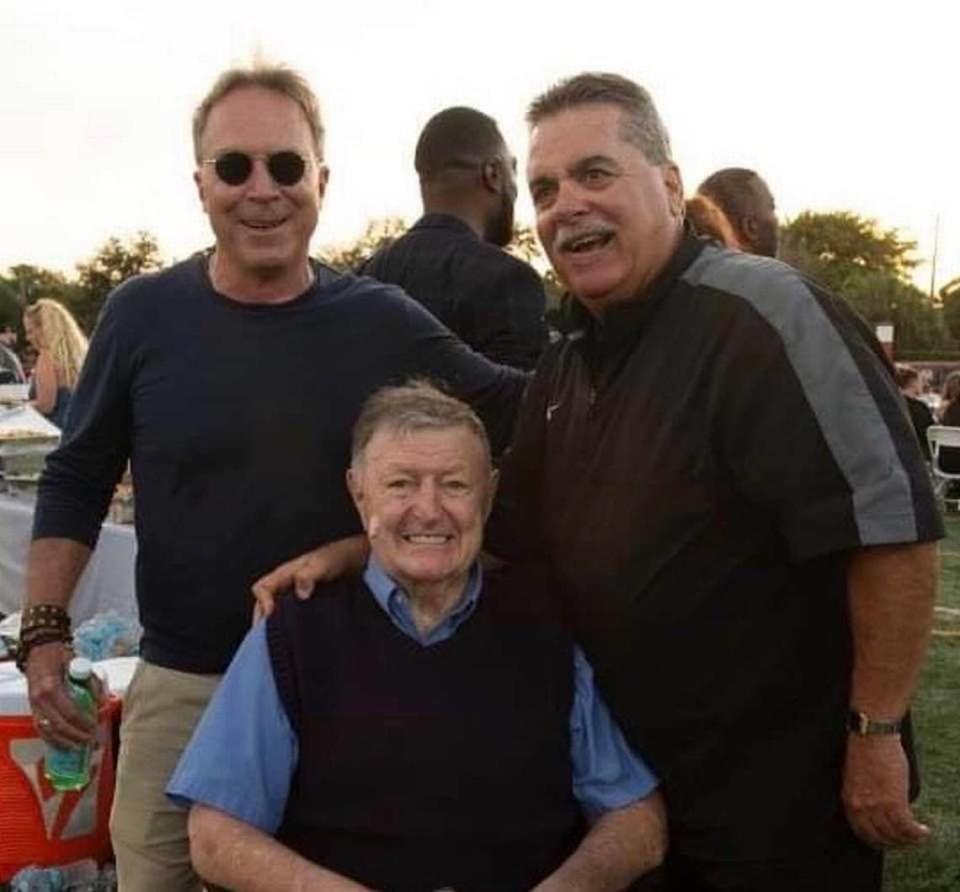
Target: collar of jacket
622 322
444 221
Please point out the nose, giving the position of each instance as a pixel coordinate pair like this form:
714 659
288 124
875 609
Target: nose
426 502
569 201
261 185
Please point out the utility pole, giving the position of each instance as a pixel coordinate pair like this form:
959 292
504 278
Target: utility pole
933 264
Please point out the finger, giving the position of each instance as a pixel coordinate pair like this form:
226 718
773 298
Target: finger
52 702
269 585
862 824
303 582
59 731
903 829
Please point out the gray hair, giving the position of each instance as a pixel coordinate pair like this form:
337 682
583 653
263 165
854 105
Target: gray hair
415 406
641 125
280 79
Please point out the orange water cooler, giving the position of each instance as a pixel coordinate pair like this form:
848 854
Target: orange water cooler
39 825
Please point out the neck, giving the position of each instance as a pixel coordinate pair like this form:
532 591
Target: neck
641 291
432 602
461 209
259 286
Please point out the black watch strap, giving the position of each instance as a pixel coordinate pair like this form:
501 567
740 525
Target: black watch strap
862 725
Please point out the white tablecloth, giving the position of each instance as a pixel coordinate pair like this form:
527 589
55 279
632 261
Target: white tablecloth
106 583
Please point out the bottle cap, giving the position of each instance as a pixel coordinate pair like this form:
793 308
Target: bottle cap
80 669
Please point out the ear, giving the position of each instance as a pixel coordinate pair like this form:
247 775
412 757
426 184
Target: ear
201 193
355 488
673 183
491 175
323 178
749 227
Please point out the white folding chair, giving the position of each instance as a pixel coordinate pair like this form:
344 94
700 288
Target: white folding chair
939 436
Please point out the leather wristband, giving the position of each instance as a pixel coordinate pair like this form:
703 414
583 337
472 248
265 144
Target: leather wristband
862 725
41 624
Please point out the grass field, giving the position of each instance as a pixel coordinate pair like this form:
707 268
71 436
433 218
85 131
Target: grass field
935 867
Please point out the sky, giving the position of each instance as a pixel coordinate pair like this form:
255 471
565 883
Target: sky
838 105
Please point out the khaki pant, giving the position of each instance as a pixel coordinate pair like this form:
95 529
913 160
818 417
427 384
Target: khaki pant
149 833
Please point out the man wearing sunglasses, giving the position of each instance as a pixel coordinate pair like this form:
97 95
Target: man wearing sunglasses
230 381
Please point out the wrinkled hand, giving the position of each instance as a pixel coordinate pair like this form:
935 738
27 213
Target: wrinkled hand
875 784
300 573
328 562
57 719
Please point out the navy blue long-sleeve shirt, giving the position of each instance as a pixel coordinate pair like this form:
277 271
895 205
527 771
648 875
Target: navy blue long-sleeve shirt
236 419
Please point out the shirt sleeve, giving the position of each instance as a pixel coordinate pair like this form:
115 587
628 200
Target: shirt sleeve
809 422
432 351
246 719
607 774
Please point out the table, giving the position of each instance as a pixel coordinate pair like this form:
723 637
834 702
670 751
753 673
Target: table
107 582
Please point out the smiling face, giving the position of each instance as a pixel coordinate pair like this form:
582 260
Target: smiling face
423 497
608 219
262 229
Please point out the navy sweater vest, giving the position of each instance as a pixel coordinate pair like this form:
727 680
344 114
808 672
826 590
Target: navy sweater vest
422 768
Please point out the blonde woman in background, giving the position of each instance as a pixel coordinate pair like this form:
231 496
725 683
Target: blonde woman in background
61 348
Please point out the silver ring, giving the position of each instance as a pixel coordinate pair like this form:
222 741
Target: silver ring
44 723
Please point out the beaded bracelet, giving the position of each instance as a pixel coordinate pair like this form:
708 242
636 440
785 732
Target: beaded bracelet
41 624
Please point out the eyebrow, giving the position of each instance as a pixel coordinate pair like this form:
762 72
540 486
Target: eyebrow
584 163
577 168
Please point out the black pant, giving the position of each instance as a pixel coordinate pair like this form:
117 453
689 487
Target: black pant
846 865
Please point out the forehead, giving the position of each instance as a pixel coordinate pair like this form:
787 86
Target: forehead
446 446
566 137
256 119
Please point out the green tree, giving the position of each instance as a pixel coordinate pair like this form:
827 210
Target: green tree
835 246
950 298
870 267
24 284
379 232
114 263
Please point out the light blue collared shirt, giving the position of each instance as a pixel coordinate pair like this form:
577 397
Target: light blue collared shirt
247 718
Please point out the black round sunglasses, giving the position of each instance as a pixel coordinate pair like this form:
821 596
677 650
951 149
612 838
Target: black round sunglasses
234 168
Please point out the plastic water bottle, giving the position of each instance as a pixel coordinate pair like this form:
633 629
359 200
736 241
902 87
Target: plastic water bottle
69 769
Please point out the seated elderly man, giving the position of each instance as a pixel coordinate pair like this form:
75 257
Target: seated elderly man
427 725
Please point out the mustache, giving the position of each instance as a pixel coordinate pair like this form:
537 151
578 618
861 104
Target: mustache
567 234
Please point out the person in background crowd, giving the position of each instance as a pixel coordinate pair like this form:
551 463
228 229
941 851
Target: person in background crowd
61 348
11 372
717 465
231 381
908 380
452 259
746 201
28 359
8 337
416 793
949 415
709 221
